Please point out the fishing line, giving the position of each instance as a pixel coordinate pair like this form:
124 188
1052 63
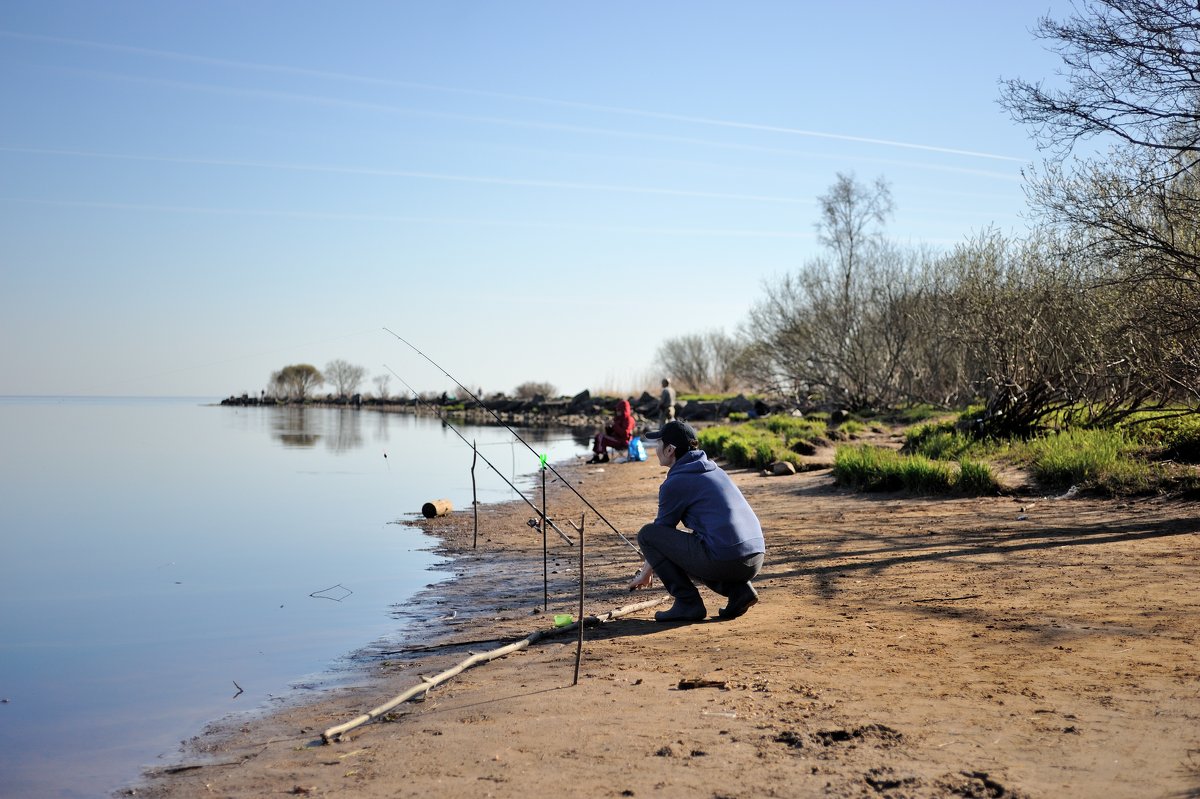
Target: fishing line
446 422
517 436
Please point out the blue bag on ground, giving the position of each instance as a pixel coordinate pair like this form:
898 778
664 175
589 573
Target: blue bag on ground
637 452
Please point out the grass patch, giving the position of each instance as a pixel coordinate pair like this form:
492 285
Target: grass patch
746 445
1109 461
976 478
941 441
852 427
713 397
760 442
915 414
871 468
1175 437
1149 453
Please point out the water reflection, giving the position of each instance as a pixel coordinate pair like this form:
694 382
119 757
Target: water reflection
296 426
347 431
292 426
342 430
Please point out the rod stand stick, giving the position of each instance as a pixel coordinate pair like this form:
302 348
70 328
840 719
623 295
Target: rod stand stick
474 493
579 643
545 548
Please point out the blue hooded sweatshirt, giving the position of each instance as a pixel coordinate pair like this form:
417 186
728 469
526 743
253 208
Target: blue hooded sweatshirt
699 494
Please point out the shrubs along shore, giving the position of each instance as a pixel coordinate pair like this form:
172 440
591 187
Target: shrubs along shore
919 450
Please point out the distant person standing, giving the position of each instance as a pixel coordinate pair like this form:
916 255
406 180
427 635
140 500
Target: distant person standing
666 404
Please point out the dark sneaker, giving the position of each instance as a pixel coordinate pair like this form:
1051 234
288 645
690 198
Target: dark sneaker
740 602
691 610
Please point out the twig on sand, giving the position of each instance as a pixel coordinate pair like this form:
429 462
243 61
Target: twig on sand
949 598
435 647
194 766
427 683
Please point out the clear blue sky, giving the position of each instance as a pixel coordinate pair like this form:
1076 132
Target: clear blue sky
193 194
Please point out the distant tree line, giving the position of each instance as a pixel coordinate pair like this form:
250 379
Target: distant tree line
1090 318
299 381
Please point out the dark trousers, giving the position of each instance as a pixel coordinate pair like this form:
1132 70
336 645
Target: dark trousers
604 441
678 557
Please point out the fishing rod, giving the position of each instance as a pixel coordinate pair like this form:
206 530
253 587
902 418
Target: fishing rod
517 436
446 422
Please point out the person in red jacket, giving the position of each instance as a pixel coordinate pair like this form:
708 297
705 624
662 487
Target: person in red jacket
615 434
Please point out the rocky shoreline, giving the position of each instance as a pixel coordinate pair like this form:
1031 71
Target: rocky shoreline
582 410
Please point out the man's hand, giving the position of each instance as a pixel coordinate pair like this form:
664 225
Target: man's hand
643 579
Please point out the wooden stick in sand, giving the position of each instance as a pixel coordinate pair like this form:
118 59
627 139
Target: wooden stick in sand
579 644
333 733
474 494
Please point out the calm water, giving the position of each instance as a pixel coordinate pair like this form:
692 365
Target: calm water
155 552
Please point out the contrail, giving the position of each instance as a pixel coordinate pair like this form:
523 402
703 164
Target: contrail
697 120
424 220
523 123
401 173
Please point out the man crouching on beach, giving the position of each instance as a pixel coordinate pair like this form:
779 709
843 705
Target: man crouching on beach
725 547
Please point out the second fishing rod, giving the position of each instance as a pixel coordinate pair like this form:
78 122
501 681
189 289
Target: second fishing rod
456 432
517 436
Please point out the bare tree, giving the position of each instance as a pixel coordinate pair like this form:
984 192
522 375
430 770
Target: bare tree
837 330
725 354
296 381
848 212
533 389
701 361
345 376
1131 70
381 385
1044 340
811 342
1132 78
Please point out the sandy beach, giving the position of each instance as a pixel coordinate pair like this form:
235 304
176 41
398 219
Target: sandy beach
1013 646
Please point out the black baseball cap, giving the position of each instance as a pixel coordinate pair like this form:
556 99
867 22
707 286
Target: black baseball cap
681 434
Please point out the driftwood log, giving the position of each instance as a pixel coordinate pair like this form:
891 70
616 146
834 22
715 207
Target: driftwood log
334 733
436 507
